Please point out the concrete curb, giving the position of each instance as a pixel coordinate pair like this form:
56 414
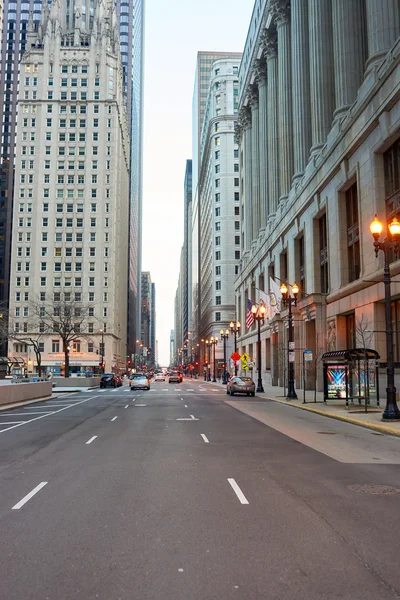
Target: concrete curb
373 426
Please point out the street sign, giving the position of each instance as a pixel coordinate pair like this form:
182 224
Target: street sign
245 366
291 345
235 356
291 356
308 356
245 357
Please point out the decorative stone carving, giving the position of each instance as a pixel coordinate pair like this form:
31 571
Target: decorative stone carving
261 72
331 336
270 43
280 11
252 95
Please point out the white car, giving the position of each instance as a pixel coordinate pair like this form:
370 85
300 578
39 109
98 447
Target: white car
159 377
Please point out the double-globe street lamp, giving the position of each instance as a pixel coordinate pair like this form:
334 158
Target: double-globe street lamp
214 342
388 245
235 328
224 337
288 300
259 315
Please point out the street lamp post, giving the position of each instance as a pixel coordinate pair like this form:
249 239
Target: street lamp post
102 350
224 337
214 341
391 412
208 344
288 300
235 328
259 315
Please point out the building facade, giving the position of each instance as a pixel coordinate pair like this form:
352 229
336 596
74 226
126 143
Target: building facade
319 131
204 62
70 222
187 250
219 196
15 16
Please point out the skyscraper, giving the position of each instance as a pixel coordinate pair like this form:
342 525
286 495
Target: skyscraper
15 16
70 225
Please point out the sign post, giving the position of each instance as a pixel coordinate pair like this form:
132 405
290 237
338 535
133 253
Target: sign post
307 357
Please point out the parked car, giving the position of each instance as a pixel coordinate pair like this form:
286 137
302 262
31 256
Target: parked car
175 378
241 385
108 380
137 381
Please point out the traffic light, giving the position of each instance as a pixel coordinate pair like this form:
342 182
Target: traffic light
196 363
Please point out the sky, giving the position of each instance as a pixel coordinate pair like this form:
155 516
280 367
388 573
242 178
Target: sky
174 33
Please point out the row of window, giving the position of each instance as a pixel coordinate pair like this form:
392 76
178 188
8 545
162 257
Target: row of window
58 251
56 345
66 297
67 267
62 237
62 136
60 222
218 255
235 155
218 225
57 282
218 240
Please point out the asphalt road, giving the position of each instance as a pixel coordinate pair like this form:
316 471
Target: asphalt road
174 494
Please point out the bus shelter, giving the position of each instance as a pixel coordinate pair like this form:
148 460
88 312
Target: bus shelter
351 375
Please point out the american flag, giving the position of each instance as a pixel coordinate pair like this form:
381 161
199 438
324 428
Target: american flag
249 314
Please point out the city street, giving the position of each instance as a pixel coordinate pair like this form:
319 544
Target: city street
175 494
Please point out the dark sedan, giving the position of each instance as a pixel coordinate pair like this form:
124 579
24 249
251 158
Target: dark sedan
175 378
241 385
108 380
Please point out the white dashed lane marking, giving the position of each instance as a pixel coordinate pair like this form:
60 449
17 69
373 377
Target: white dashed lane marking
25 499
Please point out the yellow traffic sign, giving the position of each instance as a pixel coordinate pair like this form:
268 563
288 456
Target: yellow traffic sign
244 358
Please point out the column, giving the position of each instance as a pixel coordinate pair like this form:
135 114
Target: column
383 29
349 51
321 71
271 55
301 87
247 131
261 78
280 9
255 162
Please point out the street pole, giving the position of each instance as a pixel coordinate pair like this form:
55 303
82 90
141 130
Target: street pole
259 314
209 363
102 351
214 342
288 301
224 337
391 412
235 327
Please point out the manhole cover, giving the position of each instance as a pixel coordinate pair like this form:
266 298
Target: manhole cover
326 432
378 490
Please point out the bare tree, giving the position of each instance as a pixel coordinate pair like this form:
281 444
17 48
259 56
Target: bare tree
67 319
31 335
363 340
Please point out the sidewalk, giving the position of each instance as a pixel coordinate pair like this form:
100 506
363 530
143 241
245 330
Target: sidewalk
334 409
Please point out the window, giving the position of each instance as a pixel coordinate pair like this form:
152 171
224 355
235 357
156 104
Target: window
55 346
237 254
217 182
323 255
217 316
217 154
217 285
218 270
217 141
236 167
218 300
217 168
218 240
236 182
353 233
217 197
237 240
218 255
218 226
237 225
237 210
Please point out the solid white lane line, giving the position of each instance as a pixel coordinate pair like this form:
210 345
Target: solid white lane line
45 415
204 438
24 414
29 496
12 422
91 439
113 419
238 491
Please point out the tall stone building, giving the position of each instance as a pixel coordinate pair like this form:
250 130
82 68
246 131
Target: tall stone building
70 224
15 16
319 132
148 318
218 191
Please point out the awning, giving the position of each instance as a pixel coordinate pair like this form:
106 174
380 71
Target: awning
351 355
